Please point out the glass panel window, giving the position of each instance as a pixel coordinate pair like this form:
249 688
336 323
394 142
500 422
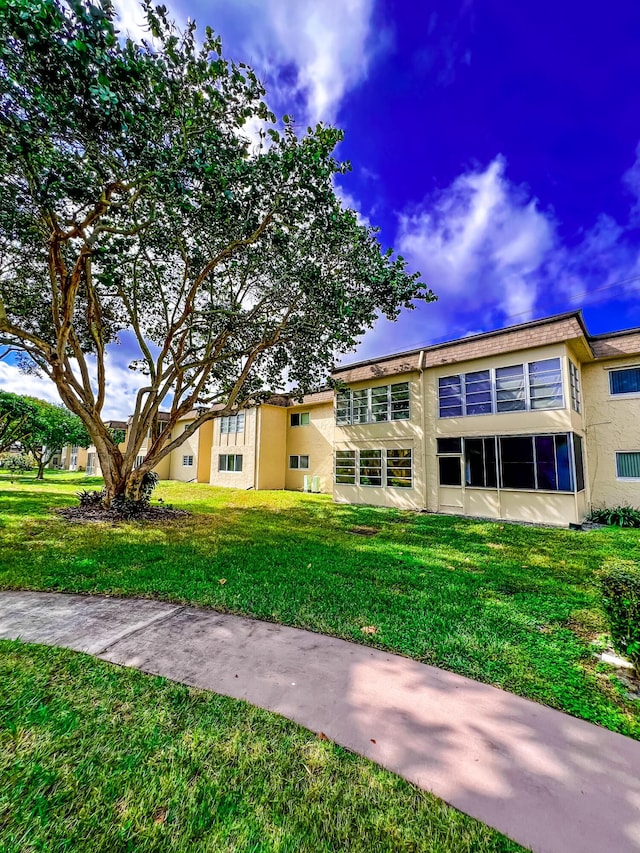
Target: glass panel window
450 396
576 396
187 461
230 424
229 462
343 408
380 404
361 406
399 468
400 401
545 384
478 393
625 381
449 445
480 462
299 462
578 453
346 467
547 477
517 463
510 389
370 467
299 419
628 465
139 461
450 470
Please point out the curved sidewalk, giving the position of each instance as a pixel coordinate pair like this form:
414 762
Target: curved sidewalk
551 782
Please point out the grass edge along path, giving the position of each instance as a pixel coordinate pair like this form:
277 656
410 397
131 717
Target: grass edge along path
94 757
513 606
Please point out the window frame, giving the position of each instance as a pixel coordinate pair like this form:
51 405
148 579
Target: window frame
620 453
185 463
298 466
616 395
360 403
299 416
231 424
493 391
575 390
226 469
385 454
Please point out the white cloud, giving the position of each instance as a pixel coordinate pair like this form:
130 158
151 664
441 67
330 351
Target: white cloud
310 54
122 383
482 241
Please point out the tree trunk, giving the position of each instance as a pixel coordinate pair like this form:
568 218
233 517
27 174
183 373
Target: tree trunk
40 474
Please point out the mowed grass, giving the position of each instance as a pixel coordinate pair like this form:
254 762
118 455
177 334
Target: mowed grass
96 758
506 604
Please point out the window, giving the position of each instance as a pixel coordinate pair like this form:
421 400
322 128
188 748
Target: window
91 463
399 468
579 462
392 468
299 419
545 384
230 462
343 408
628 465
360 406
370 468
346 467
449 445
139 461
232 424
400 401
477 393
574 379
625 381
187 461
373 405
480 464
510 393
450 388
450 472
537 385
301 462
540 462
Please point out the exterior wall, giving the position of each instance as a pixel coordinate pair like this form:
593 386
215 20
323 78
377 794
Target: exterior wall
612 424
205 443
316 440
271 447
390 434
189 447
243 443
532 506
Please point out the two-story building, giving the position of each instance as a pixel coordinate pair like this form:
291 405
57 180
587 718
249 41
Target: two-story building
537 422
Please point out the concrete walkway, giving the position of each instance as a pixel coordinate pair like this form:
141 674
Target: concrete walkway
553 783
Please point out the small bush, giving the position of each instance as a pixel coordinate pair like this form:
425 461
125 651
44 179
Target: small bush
620 584
617 516
89 498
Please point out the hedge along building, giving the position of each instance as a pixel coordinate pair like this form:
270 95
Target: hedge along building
537 422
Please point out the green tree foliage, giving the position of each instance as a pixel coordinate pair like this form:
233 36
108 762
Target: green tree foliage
132 198
16 463
53 427
17 418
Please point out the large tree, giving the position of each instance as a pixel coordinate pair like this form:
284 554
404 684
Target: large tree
147 188
17 419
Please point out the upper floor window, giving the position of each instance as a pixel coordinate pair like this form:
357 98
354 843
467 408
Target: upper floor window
626 381
373 405
232 423
628 465
536 385
300 419
576 396
187 461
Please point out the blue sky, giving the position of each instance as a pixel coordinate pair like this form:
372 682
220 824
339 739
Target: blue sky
496 145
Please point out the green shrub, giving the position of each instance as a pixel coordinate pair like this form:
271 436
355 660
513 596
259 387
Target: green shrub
617 516
620 583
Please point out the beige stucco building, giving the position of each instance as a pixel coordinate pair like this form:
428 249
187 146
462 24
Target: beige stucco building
538 422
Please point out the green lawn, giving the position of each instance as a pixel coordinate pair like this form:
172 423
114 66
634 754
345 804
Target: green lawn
509 605
97 758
